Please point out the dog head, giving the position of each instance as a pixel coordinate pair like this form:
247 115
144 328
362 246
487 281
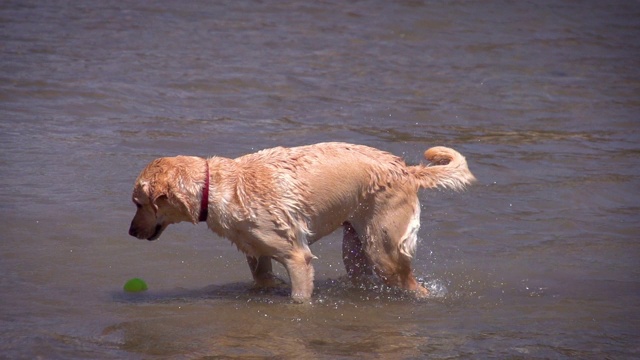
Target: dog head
166 192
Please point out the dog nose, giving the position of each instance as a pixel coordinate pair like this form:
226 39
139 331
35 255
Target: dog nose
133 231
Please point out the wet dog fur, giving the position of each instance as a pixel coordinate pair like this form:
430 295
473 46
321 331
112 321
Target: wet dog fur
274 203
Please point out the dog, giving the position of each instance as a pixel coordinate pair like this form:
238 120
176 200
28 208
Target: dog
274 203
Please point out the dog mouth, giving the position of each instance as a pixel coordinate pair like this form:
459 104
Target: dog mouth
156 233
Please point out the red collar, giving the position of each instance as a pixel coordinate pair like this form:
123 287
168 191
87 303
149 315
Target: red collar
204 202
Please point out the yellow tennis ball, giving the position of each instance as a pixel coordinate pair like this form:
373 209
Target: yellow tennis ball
135 285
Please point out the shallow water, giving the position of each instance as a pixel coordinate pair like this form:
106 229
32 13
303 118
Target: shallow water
537 260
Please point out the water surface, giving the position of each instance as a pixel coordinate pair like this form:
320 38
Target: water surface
539 259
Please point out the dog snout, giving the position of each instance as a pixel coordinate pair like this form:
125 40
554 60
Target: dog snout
133 230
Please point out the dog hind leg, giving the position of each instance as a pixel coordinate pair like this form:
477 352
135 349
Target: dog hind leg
390 241
353 255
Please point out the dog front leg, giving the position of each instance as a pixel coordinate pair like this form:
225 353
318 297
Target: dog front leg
298 264
262 271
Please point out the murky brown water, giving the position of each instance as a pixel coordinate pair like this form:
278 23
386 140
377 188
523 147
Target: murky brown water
540 259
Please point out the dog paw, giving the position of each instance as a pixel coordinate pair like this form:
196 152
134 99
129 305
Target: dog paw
270 281
422 293
300 299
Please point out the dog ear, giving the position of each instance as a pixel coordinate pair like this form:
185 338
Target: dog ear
155 198
180 200
169 181
153 193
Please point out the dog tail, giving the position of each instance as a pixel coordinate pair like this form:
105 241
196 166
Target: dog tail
447 168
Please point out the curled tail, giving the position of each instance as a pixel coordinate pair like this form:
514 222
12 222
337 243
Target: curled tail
447 168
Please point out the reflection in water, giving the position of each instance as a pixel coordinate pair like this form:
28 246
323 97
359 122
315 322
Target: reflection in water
276 327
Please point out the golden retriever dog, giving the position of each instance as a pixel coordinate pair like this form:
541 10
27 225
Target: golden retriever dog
274 203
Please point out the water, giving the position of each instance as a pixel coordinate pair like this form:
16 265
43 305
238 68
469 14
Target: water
537 260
